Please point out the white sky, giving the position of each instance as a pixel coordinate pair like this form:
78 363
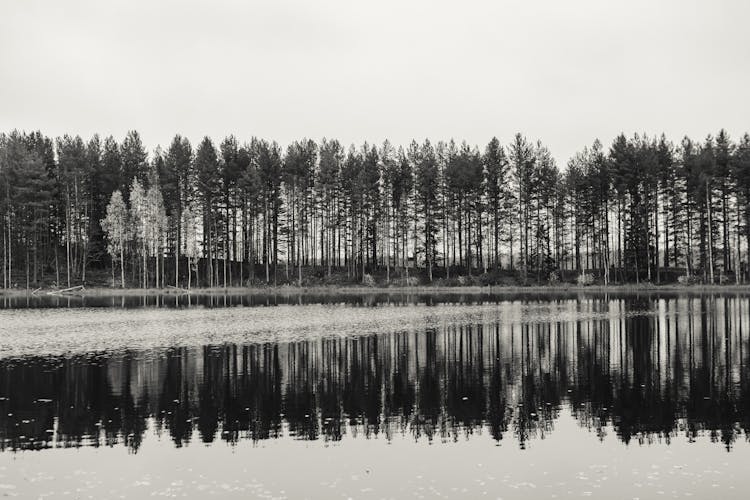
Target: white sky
565 72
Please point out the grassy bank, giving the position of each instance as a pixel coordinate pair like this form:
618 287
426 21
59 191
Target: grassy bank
359 290
316 281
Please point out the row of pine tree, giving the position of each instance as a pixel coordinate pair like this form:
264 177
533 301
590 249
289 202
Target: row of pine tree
645 209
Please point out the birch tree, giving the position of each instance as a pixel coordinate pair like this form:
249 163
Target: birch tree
139 218
156 226
115 226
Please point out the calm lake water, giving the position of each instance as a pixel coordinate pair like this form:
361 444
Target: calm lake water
375 396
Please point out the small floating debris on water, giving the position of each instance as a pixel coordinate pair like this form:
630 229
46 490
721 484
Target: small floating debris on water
465 398
42 400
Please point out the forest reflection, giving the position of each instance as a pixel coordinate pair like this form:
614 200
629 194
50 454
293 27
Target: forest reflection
652 369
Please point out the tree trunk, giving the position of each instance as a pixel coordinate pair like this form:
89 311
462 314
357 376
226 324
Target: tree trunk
67 235
710 236
122 264
177 245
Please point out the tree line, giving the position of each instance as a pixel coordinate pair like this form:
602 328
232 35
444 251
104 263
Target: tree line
236 214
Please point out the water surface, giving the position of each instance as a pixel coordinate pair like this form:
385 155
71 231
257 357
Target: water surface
375 396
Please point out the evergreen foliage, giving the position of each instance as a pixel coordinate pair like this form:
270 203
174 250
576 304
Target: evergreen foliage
640 210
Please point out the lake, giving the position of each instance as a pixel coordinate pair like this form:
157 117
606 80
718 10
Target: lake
375 396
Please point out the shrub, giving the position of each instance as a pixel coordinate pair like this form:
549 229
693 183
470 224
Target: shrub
554 278
585 279
486 279
368 280
404 281
494 277
473 280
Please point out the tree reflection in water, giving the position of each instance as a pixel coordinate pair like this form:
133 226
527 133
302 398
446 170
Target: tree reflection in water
656 369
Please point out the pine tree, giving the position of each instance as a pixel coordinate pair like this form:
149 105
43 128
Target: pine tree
741 174
329 184
297 173
177 186
134 162
522 159
496 177
207 184
250 190
426 178
268 159
230 172
370 185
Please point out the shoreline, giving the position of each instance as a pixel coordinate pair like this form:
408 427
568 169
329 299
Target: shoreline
364 290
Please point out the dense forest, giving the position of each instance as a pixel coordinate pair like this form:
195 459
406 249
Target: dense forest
238 214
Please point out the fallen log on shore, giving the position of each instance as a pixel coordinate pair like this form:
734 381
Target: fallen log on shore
67 290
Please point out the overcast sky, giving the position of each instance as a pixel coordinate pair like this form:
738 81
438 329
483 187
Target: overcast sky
565 72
